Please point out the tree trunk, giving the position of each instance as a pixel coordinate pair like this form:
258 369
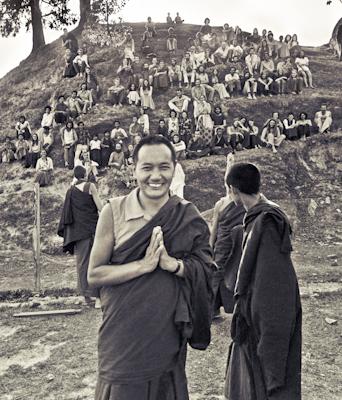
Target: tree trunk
38 39
84 12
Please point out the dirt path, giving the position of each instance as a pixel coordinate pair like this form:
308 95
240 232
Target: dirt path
57 356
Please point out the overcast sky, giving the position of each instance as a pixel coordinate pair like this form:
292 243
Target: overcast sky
312 20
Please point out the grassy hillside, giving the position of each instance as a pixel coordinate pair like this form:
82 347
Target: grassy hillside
298 173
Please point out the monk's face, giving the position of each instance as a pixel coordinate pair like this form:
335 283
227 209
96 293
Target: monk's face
154 171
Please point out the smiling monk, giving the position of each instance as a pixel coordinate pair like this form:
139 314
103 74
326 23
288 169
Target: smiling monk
152 260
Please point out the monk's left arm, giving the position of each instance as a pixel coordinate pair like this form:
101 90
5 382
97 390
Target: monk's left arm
273 306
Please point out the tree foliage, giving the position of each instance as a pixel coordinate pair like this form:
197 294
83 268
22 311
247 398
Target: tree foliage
103 10
17 14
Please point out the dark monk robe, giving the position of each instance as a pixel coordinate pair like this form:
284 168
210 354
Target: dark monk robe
228 218
265 356
147 321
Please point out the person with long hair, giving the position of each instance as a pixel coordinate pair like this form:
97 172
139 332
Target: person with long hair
304 126
146 92
271 136
44 168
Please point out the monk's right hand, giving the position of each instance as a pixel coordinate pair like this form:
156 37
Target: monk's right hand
151 260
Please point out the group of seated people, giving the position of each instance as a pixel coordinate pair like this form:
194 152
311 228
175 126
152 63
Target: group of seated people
212 66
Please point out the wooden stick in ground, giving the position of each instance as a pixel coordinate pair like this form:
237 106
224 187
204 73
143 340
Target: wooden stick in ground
36 237
46 313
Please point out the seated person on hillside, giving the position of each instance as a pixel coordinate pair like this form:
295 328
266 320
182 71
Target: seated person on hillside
116 93
304 126
221 54
188 69
213 43
61 111
118 133
147 46
227 33
80 62
171 42
237 64
116 158
276 118
69 68
290 127
90 166
197 147
197 92
151 27
249 86
74 105
85 98
218 118
162 129
178 19
144 121
218 86
48 117
83 139
254 135
279 83
203 77
95 149
23 127
7 151
92 84
235 50
126 74
271 136
169 20
179 146
302 63
135 129
69 41
235 135
219 143
265 85
294 84
161 77
21 148
146 93
323 119
46 139
180 102
133 96
185 127
33 152
206 29
252 61
172 124
233 84
284 67
175 73
44 168
106 149
69 140
267 66
208 60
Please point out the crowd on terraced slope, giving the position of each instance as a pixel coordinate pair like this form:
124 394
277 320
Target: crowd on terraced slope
216 65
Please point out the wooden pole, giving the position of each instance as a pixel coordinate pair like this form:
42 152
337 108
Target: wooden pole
36 238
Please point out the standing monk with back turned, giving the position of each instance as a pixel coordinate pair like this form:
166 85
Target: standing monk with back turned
152 260
265 356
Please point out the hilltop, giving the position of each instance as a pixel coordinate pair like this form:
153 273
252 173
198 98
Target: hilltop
299 173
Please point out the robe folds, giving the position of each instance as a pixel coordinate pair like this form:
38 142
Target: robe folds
265 357
148 320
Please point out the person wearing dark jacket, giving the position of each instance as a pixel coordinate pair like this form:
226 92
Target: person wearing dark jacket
78 224
265 355
152 260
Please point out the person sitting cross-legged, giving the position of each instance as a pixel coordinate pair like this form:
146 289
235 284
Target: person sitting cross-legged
197 147
85 98
219 144
116 93
235 135
233 83
180 102
323 119
271 136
